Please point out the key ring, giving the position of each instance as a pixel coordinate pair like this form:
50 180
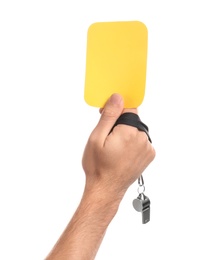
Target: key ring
141 181
141 187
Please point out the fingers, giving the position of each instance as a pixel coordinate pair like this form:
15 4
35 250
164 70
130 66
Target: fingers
109 114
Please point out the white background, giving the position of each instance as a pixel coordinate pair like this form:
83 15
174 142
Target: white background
45 123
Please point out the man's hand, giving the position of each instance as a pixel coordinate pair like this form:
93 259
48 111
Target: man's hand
112 162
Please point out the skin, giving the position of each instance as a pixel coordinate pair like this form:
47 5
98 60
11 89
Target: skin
111 162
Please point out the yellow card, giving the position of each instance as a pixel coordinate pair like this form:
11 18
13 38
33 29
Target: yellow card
116 60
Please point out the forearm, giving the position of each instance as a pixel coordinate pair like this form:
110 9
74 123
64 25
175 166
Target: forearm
83 235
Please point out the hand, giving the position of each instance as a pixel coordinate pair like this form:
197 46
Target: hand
112 162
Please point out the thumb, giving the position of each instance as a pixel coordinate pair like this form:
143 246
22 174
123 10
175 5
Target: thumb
110 113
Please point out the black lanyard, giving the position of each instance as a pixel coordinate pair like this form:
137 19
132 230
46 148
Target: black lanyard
132 119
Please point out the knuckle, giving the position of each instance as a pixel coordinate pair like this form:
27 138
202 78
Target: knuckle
153 153
150 151
142 137
93 140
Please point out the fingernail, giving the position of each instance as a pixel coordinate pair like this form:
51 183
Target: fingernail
116 99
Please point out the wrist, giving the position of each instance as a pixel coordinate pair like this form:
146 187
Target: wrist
101 202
